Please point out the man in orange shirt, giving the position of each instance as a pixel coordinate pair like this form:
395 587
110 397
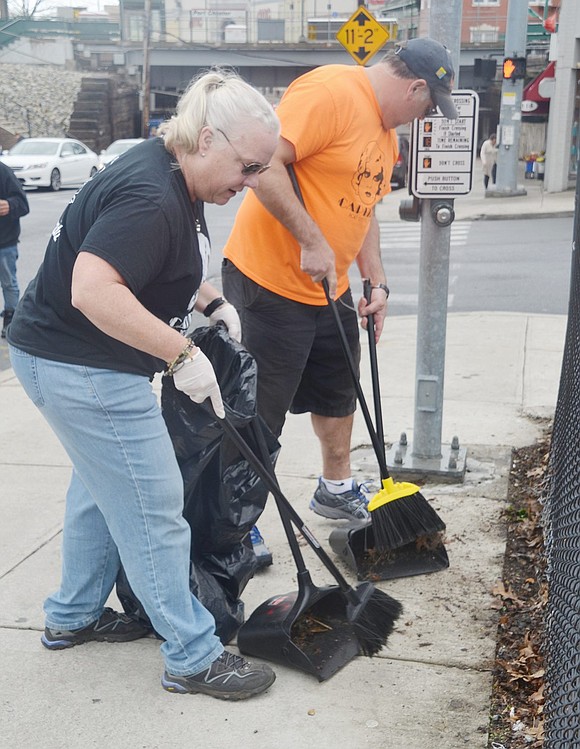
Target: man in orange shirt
338 131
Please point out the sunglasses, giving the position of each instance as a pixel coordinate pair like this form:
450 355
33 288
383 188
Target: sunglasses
253 167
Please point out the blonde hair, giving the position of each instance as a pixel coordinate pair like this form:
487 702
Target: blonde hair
219 99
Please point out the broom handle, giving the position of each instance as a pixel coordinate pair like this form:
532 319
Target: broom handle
284 506
379 451
367 291
288 528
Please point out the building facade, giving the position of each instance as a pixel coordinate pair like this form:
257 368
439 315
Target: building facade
563 136
272 41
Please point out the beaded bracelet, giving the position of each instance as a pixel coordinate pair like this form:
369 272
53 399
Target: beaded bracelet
179 359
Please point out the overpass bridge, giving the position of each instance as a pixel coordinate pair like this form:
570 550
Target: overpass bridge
269 67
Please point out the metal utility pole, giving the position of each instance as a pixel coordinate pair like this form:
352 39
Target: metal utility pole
425 455
434 280
510 113
302 37
146 79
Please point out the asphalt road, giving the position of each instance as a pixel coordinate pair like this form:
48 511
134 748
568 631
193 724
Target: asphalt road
500 266
513 265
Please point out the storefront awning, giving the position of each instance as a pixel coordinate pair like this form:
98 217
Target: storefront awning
532 101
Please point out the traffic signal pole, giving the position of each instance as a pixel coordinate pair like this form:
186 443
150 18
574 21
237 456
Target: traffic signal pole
426 456
436 218
510 114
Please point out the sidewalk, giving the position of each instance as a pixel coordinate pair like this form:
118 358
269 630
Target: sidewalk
537 203
428 689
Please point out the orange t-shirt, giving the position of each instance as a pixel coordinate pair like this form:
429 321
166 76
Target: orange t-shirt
344 161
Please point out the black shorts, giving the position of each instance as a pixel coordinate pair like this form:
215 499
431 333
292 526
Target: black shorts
301 364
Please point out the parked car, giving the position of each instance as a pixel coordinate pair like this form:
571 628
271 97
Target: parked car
116 148
401 168
51 162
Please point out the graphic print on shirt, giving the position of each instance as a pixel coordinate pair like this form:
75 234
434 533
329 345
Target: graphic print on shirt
56 231
370 180
183 323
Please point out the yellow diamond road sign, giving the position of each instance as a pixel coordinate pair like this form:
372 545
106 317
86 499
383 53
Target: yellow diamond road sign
362 35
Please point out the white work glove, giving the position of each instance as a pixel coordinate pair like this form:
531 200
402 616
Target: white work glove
227 314
196 378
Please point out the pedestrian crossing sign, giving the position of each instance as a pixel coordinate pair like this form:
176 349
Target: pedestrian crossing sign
443 151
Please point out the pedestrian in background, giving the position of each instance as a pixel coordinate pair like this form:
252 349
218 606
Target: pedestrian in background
13 205
488 156
338 130
123 269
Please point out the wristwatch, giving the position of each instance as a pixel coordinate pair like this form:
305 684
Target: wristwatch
213 305
382 286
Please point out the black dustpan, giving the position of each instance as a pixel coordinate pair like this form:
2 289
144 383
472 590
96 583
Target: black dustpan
315 629
356 546
306 629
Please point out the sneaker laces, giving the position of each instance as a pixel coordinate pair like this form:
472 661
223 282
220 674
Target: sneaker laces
365 489
357 507
358 492
233 661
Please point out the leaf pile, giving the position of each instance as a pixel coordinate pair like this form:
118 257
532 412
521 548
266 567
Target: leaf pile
521 596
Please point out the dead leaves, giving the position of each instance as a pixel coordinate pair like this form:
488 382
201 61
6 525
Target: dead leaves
528 666
520 599
505 593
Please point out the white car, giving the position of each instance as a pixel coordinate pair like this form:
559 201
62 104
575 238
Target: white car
51 162
116 148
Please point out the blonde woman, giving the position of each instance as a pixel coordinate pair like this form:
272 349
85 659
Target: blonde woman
123 269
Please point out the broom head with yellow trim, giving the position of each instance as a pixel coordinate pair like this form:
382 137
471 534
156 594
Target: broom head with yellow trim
400 514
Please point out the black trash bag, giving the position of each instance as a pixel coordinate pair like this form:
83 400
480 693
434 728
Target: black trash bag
215 581
223 496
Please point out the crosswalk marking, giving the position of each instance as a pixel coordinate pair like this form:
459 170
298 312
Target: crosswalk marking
398 235
397 238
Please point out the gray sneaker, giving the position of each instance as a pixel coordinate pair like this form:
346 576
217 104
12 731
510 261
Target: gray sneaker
109 627
229 677
349 505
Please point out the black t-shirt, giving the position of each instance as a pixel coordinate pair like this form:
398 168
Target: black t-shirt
137 215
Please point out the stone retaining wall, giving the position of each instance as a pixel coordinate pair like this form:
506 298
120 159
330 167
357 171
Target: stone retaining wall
45 100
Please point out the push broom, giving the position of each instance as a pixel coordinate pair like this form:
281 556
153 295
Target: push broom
400 513
413 517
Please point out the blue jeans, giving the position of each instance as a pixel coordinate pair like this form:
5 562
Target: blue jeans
124 505
8 258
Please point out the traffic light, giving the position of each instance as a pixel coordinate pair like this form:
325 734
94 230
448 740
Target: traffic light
484 68
514 68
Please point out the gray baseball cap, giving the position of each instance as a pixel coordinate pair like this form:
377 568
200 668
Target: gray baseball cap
430 60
